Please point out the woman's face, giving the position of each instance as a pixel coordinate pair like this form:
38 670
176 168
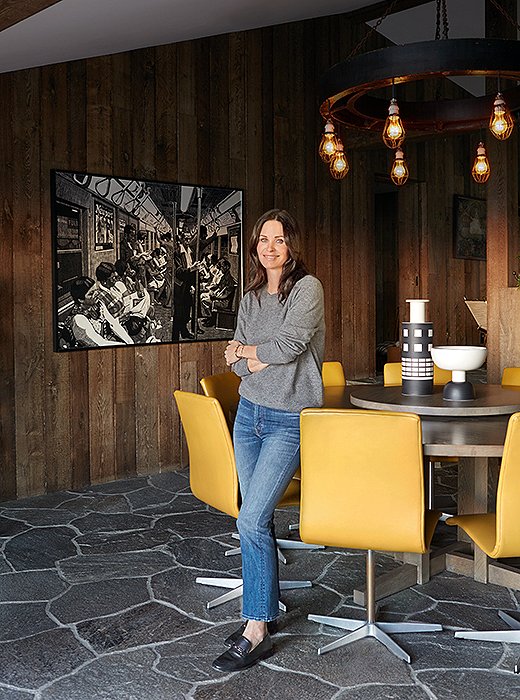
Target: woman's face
271 248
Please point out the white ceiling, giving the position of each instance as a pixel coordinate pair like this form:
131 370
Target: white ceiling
73 29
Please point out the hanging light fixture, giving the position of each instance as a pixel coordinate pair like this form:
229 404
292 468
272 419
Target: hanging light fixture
352 91
481 169
339 166
399 173
393 132
501 122
329 142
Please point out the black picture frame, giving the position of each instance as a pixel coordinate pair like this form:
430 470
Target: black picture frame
140 262
469 228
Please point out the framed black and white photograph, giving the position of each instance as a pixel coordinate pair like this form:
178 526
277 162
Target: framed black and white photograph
139 262
469 228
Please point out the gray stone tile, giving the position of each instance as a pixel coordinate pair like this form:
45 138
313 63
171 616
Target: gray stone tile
119 487
453 588
127 676
107 542
23 619
147 624
264 681
34 661
100 567
99 504
9 694
149 497
4 566
382 691
200 524
366 661
469 684
90 600
178 587
171 481
30 586
10 526
41 516
49 500
115 522
200 553
40 548
444 650
181 503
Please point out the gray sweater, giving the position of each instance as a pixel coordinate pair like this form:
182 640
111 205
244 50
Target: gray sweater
290 338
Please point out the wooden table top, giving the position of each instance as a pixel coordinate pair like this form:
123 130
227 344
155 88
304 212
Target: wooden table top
491 400
445 435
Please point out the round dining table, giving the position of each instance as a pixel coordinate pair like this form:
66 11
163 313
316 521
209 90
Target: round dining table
473 431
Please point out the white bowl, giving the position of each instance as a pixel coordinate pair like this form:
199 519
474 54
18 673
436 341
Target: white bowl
459 357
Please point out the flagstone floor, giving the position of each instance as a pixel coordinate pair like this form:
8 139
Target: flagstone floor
98 601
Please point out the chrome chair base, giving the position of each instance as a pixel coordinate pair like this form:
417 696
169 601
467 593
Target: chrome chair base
378 630
512 635
236 588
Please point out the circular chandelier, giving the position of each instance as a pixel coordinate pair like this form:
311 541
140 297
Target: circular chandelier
354 92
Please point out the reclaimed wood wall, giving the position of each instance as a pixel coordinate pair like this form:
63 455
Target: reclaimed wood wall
235 110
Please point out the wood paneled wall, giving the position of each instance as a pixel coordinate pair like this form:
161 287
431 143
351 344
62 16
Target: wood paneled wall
235 110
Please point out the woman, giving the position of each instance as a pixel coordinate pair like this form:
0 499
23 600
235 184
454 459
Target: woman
278 352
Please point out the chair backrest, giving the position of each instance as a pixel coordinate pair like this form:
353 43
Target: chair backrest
362 480
507 542
511 376
332 374
213 475
223 387
392 375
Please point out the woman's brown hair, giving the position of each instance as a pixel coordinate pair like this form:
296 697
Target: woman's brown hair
294 267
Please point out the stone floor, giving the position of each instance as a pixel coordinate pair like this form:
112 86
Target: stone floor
99 601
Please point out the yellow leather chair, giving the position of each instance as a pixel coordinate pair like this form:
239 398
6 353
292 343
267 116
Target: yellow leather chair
332 374
498 534
392 376
213 475
363 488
224 388
511 376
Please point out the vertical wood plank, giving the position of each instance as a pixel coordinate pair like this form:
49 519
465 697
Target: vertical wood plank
8 456
27 287
101 362
58 449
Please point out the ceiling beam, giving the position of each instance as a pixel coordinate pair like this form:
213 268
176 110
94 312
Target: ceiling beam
14 11
372 12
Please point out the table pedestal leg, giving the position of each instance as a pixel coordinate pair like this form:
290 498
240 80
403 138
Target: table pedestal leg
473 498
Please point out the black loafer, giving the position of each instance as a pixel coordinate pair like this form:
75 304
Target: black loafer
272 628
240 656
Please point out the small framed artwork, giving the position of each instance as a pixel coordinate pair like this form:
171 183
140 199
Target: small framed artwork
469 228
139 262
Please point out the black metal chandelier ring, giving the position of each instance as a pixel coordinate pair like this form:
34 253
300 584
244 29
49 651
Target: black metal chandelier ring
345 89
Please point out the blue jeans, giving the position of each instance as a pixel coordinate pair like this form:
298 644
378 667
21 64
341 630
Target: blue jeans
267 452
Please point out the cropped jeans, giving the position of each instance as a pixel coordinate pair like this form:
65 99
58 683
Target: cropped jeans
267 452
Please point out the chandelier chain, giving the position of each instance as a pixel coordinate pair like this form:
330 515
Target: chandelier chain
365 38
506 14
442 9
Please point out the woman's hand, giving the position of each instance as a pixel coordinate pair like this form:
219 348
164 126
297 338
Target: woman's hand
230 352
256 366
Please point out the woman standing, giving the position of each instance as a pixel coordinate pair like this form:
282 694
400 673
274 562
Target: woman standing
278 352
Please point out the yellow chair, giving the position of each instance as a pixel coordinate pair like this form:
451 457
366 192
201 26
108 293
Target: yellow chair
332 374
511 376
224 388
392 375
213 475
363 487
498 534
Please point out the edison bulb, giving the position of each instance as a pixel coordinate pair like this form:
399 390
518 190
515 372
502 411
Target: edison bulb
481 169
501 122
328 143
339 166
393 132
